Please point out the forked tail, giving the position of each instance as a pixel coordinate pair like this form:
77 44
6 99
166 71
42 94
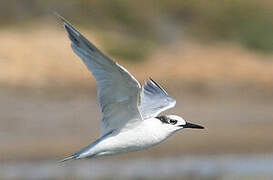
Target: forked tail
71 157
79 153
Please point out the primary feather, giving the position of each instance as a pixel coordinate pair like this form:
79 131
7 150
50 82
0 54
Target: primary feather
117 88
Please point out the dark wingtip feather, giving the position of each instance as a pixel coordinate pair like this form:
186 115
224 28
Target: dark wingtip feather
158 85
75 36
72 32
61 18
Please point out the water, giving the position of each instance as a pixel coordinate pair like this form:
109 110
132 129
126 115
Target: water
190 167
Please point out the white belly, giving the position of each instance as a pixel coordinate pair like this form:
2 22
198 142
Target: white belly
140 137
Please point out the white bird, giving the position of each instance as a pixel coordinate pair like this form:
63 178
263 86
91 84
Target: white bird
130 112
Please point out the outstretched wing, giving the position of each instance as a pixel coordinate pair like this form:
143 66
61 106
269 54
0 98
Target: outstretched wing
118 91
154 100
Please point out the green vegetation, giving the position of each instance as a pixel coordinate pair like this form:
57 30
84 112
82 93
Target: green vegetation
142 23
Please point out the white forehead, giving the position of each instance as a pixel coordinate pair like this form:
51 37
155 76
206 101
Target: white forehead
178 118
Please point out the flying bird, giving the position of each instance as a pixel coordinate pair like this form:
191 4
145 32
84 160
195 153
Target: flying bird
130 112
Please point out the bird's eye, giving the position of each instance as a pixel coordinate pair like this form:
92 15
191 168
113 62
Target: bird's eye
173 121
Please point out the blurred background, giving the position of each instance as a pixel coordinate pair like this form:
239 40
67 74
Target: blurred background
215 58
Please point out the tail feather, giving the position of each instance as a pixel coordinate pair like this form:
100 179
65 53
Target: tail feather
71 157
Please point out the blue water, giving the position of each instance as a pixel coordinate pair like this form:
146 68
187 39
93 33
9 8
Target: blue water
191 167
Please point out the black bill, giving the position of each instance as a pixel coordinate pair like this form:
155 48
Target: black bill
190 125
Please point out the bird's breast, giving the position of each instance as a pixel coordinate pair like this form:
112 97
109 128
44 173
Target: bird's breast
141 136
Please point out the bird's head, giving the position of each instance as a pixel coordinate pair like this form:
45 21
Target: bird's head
174 123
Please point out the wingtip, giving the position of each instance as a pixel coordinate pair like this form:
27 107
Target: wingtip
150 78
59 16
68 27
155 83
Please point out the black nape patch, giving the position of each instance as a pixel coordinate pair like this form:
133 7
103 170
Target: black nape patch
163 119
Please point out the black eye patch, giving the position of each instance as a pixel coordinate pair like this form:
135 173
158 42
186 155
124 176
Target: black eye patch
172 121
166 120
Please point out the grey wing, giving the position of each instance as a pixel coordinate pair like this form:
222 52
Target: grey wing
117 90
154 100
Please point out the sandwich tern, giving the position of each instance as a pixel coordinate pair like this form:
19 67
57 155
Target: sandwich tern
130 112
